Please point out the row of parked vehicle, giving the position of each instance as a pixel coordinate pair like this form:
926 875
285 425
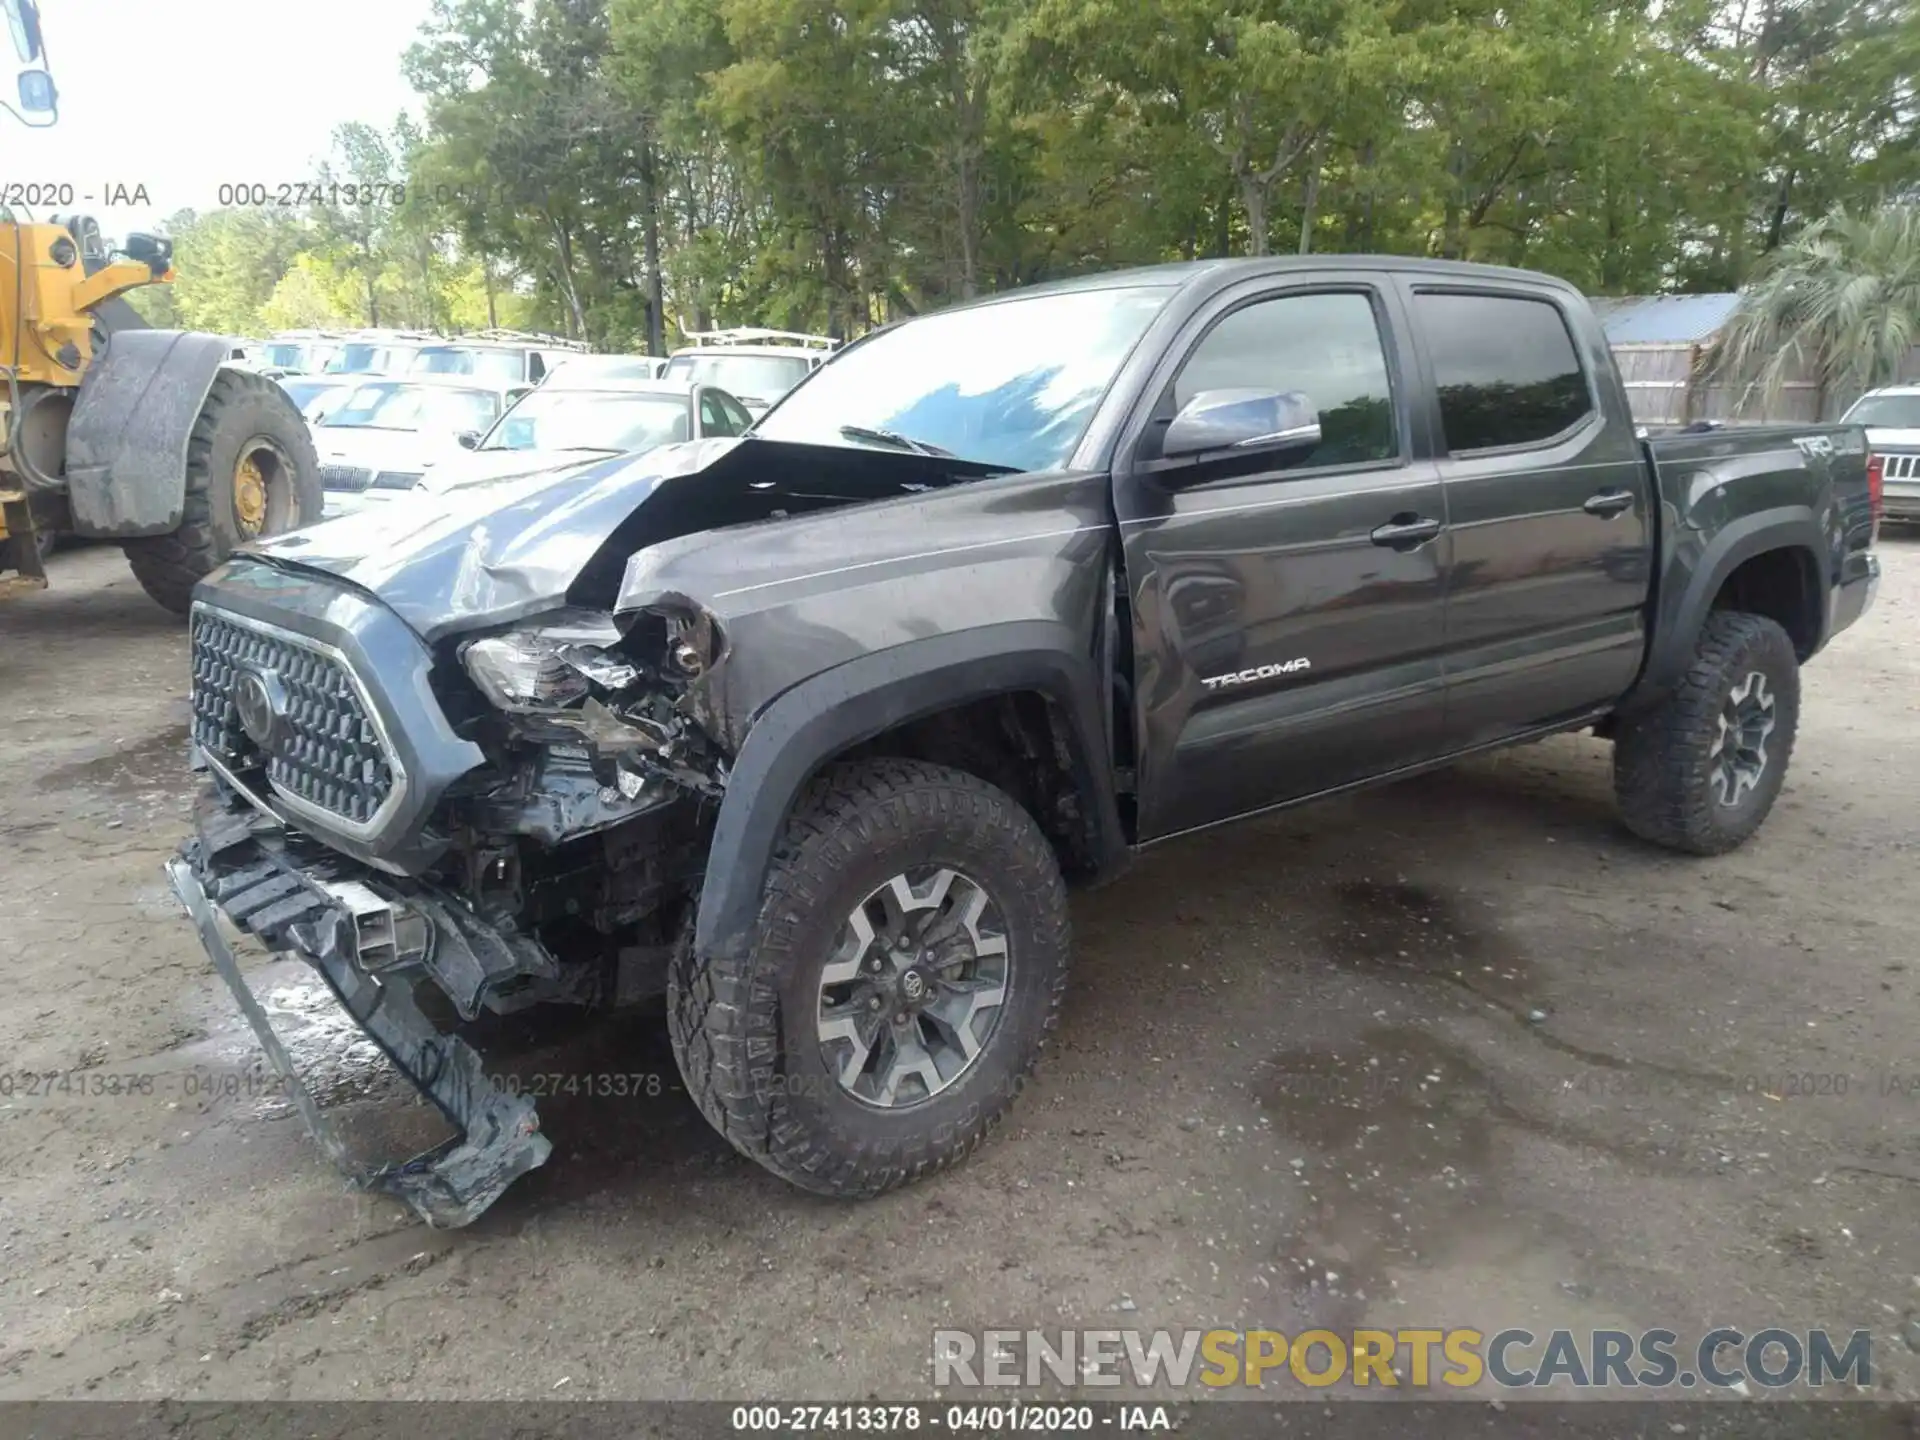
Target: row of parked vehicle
396 412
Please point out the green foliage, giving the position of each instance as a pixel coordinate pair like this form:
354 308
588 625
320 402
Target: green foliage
626 170
1839 303
309 297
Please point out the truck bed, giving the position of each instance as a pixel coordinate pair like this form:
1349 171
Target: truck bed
1722 493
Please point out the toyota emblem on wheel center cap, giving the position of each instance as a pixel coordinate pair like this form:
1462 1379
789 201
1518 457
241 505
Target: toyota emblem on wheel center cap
261 700
913 985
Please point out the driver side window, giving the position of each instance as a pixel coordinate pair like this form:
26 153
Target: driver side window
1325 346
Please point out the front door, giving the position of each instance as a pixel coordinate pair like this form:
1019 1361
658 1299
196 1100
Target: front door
1287 618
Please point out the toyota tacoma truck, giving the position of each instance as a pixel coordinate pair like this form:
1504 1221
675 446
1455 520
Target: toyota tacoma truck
810 731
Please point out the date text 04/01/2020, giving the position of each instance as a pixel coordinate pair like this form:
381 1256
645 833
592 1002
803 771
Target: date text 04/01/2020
974 1419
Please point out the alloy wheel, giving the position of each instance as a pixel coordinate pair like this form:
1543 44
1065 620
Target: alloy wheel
915 987
1739 755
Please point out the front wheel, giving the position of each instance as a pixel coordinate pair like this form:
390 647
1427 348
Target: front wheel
251 472
1700 772
904 973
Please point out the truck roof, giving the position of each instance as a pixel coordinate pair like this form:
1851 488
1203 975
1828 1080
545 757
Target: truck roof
1196 274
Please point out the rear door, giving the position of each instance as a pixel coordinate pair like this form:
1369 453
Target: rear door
1547 498
1287 618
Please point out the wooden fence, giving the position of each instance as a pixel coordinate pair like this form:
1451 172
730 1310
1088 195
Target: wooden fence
1664 388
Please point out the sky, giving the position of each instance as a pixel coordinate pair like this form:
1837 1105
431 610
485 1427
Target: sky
183 97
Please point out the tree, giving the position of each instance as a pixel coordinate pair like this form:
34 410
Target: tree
619 168
229 262
310 297
353 216
1840 302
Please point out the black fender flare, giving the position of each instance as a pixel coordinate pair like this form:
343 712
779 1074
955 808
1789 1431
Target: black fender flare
1681 612
865 697
127 441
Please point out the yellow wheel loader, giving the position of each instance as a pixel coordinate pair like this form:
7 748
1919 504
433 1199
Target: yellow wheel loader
113 431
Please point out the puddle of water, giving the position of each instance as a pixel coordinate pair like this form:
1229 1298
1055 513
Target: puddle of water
1416 933
369 1102
158 761
1396 1140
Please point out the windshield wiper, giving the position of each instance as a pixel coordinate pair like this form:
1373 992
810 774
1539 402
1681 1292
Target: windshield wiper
894 438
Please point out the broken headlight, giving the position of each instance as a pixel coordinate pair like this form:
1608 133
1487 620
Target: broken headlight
549 665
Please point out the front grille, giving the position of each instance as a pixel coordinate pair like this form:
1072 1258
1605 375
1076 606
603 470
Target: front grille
1901 467
326 751
345 477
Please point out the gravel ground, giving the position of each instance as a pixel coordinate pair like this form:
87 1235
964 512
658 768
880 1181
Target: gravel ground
1456 1051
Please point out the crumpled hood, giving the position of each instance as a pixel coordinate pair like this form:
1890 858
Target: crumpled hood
486 554
489 554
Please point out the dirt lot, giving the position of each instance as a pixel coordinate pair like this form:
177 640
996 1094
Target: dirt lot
1453 1052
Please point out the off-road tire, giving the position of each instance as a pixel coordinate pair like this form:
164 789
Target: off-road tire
240 407
744 1028
1661 760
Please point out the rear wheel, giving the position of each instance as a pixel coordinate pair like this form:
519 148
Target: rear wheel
906 968
251 472
1700 772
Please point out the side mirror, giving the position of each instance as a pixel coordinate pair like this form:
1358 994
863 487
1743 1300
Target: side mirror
1270 421
38 97
469 439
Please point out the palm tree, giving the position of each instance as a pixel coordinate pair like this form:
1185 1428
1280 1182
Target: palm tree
1839 305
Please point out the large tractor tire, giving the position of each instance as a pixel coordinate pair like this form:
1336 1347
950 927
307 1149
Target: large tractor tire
251 472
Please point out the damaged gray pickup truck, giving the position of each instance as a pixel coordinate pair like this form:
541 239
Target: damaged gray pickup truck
809 731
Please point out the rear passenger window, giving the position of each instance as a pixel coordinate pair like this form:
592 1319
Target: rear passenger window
1505 369
1327 347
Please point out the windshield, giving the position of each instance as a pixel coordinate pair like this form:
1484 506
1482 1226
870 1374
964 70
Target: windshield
359 359
749 377
305 392
1886 412
581 420
456 360
1012 383
285 357
593 368
395 405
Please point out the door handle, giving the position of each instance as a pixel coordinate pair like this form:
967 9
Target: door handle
1608 503
1405 531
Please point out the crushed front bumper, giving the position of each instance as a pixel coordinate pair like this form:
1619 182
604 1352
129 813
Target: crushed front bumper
223 872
